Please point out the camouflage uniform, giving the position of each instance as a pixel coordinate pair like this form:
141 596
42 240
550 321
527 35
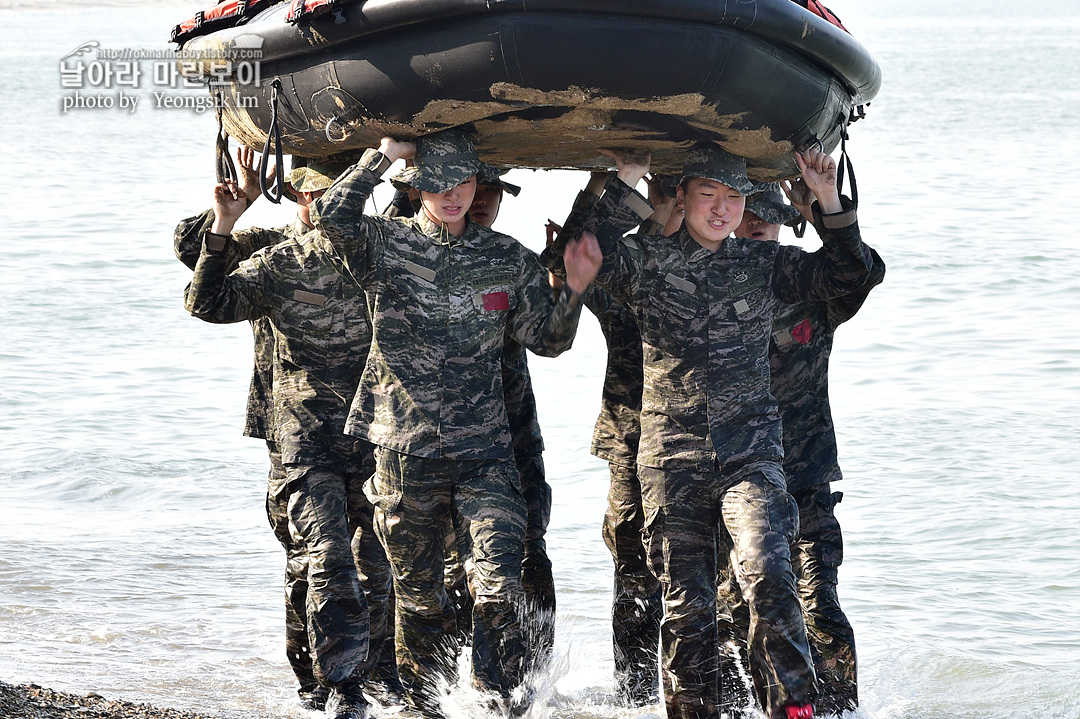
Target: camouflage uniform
431 397
711 447
636 602
802 337
536 576
636 605
321 327
187 242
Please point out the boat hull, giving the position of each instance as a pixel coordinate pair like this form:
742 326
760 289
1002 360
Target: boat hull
544 89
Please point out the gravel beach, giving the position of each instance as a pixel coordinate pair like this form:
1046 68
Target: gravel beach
30 701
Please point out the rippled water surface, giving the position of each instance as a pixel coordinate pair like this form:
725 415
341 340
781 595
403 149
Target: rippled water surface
136 560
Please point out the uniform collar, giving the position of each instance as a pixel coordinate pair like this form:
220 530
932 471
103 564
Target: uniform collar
320 242
299 229
731 247
694 252
474 237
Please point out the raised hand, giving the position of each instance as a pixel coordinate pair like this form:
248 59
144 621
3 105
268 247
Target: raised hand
819 173
249 173
800 196
552 229
229 204
631 167
395 150
582 259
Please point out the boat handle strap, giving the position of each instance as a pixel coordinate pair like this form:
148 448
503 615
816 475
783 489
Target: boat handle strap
845 160
225 169
275 192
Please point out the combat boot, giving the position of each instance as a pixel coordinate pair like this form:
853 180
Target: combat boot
385 688
521 700
347 701
516 705
313 698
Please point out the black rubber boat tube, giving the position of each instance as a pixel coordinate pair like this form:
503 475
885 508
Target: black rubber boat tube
779 21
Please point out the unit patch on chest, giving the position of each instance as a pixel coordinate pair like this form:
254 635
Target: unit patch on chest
493 301
743 282
799 333
803 332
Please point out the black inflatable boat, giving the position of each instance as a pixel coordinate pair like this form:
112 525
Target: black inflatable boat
543 83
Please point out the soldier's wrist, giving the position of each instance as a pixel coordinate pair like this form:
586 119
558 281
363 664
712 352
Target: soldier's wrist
376 162
572 294
215 241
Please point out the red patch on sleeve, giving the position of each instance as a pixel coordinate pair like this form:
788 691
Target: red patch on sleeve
496 301
803 331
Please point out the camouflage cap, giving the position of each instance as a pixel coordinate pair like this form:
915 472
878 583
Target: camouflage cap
767 202
443 161
491 175
712 162
316 176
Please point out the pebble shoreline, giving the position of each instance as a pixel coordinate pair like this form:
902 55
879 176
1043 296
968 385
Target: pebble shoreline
29 701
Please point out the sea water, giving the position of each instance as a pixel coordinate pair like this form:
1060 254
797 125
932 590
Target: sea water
135 557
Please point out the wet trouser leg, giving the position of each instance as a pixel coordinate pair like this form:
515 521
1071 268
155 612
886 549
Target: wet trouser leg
337 616
681 521
733 622
762 520
816 556
636 606
490 510
418 502
457 588
536 577
685 511
379 670
296 638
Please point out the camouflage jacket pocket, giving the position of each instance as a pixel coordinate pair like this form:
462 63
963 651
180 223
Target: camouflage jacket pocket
674 314
308 322
487 309
677 296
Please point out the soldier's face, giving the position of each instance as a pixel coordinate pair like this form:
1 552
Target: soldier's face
485 204
712 210
755 228
450 208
